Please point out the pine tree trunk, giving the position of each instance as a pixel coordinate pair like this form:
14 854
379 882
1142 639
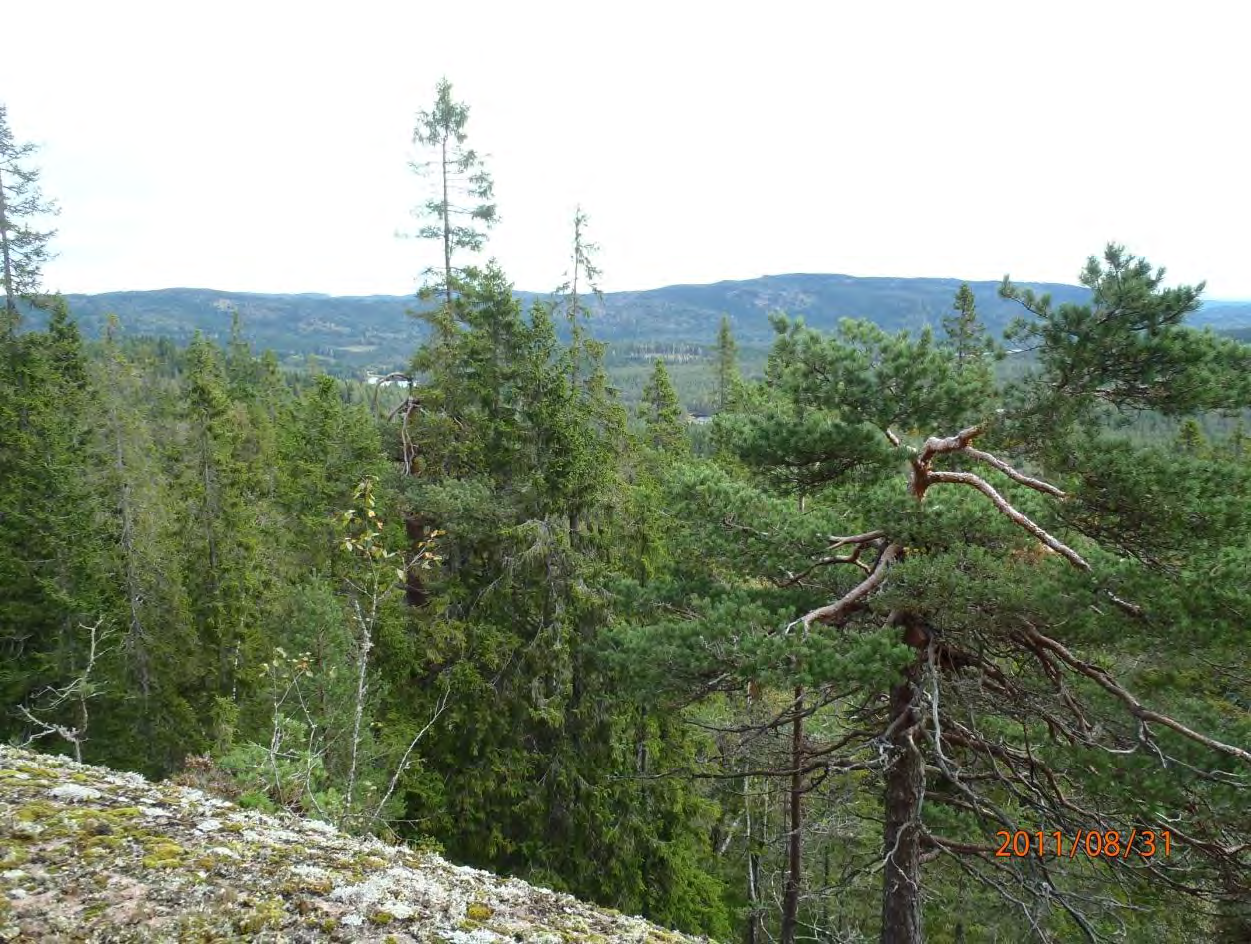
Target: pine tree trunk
905 788
794 843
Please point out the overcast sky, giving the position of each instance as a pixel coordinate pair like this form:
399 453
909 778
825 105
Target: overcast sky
263 145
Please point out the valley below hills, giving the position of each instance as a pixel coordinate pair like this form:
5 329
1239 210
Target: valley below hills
354 335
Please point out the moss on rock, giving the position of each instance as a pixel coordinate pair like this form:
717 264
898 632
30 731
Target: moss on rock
92 855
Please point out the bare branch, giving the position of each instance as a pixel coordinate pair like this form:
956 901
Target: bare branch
867 538
977 482
1105 681
1026 480
937 445
439 708
838 611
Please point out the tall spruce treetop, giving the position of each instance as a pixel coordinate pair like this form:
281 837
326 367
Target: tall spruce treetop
584 274
461 209
23 248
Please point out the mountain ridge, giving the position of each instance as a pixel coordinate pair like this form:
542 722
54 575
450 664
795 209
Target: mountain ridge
352 334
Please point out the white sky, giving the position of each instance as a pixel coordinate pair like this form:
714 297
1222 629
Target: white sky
262 145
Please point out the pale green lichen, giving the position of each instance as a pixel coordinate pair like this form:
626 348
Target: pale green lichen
123 859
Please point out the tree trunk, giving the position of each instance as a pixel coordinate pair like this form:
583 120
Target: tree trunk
10 299
755 931
755 916
1233 921
794 842
417 530
447 233
905 788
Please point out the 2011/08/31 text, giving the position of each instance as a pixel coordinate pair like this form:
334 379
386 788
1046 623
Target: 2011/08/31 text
1092 843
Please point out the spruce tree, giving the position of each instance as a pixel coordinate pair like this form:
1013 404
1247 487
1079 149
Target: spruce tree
582 275
728 376
967 336
536 758
460 210
147 722
221 527
23 248
50 512
661 412
1190 438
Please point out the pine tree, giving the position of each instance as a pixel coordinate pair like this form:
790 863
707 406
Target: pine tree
896 633
461 209
23 248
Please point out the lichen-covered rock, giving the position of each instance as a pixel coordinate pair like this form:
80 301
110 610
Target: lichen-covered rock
92 855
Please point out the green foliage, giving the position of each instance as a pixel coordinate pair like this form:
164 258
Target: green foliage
50 539
728 377
23 248
573 655
854 434
965 334
538 758
661 412
459 175
1129 348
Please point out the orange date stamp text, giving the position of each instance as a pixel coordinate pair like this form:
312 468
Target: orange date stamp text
1091 843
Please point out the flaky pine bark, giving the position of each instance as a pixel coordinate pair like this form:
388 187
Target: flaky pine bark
905 789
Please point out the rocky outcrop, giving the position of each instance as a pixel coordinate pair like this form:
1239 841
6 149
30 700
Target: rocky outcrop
89 854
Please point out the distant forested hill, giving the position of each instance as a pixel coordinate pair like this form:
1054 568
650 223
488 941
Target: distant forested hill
354 334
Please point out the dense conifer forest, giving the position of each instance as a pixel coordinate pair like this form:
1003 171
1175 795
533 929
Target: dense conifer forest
911 640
